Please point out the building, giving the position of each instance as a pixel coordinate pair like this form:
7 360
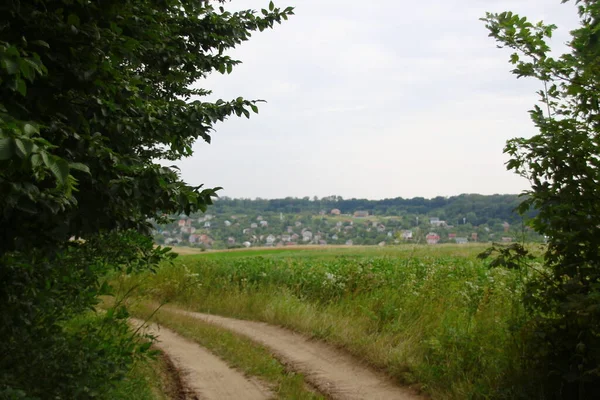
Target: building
406 235
432 238
306 236
361 214
335 211
461 240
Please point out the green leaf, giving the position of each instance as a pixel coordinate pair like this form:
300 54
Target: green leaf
80 167
29 129
6 148
21 86
40 43
271 6
73 19
10 66
36 160
24 147
58 166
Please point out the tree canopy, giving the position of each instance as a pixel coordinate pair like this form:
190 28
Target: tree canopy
561 162
92 93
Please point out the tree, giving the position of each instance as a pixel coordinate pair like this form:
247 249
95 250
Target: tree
562 164
91 94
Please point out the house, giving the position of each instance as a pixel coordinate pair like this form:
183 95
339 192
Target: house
264 223
208 217
294 237
231 241
306 236
474 236
270 240
323 242
194 238
381 228
181 223
451 236
247 244
227 223
506 239
461 240
290 229
207 224
434 221
206 240
390 234
406 235
506 226
381 244
246 230
349 242
432 238
298 224
291 243
338 224
259 218
253 225
361 214
286 238
335 211
334 237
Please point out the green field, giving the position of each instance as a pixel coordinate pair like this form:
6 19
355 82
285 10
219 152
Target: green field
436 317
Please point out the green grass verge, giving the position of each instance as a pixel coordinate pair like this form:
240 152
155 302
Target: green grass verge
239 352
149 379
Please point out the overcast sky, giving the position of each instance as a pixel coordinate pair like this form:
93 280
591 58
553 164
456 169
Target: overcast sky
373 99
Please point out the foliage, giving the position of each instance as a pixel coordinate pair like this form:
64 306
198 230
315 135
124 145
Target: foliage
446 321
561 163
91 94
477 209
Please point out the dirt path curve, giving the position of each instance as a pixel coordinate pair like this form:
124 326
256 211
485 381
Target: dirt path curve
205 376
333 372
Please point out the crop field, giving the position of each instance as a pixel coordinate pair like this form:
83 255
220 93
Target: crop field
435 317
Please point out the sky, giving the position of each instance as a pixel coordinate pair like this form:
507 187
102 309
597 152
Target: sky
373 99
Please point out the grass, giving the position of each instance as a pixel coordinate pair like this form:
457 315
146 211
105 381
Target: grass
435 316
149 379
238 352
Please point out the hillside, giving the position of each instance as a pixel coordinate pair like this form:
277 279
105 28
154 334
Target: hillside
234 223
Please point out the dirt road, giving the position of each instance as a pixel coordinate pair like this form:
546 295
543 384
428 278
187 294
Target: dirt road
333 372
205 376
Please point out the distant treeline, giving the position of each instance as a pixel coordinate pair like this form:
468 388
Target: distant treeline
477 209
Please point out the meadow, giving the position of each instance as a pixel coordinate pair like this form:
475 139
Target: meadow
435 317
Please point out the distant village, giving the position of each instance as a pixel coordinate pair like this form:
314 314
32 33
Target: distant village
213 231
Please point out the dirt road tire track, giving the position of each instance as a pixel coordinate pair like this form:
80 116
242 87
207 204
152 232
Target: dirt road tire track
333 372
205 376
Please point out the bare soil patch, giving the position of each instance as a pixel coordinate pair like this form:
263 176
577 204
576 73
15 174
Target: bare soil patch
204 376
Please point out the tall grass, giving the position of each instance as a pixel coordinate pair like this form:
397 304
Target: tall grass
444 322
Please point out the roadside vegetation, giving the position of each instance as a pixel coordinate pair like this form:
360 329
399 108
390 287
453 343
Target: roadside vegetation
438 317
